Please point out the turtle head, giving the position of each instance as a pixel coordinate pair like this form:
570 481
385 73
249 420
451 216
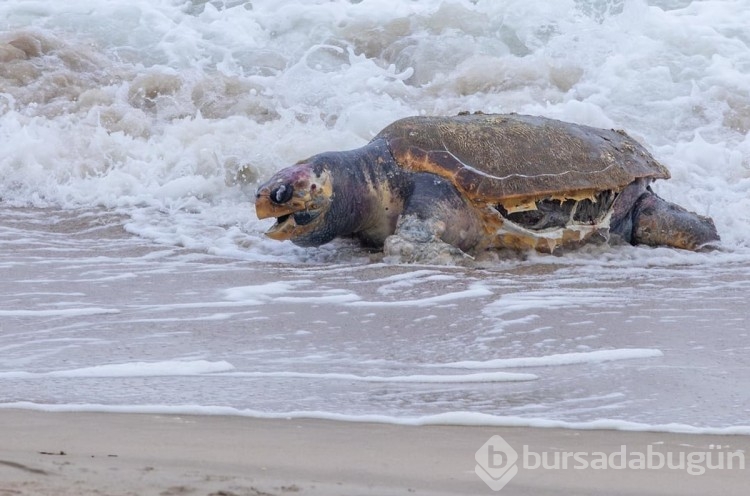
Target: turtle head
299 197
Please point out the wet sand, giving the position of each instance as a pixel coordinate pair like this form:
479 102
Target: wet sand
138 454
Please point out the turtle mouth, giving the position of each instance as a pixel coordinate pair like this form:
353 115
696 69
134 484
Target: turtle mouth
286 225
280 222
282 219
282 227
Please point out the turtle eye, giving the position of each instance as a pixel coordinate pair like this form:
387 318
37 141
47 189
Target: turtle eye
282 194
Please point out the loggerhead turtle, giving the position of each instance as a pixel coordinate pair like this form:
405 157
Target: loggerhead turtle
474 182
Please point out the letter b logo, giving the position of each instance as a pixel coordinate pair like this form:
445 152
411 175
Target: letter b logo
496 463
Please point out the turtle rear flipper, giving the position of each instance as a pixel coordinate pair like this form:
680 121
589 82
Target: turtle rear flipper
658 222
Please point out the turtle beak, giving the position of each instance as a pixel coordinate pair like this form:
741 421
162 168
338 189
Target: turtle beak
296 197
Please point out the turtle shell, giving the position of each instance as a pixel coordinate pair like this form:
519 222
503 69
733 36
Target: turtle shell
514 160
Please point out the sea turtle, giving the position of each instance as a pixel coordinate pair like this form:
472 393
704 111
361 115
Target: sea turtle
472 182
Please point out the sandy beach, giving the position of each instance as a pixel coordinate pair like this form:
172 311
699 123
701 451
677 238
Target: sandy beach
138 454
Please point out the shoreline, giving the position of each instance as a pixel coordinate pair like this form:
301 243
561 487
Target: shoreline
449 419
87 453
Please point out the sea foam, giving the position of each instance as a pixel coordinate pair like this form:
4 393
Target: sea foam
173 112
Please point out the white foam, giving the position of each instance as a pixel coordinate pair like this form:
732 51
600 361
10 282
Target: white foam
58 312
448 418
225 369
598 356
476 290
133 369
414 378
157 109
548 299
289 292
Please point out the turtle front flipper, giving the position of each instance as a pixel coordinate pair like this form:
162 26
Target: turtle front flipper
658 222
437 225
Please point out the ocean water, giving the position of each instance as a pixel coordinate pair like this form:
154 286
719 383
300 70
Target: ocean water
137 278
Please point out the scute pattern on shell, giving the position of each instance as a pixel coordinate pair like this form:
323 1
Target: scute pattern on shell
502 157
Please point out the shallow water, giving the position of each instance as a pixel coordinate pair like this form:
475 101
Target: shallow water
135 274
95 318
